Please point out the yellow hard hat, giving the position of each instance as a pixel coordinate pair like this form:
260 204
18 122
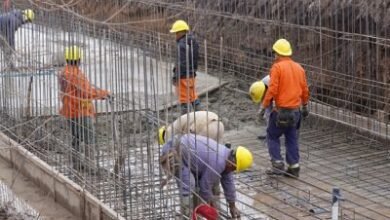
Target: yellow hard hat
179 25
72 53
161 134
282 47
244 158
29 15
257 91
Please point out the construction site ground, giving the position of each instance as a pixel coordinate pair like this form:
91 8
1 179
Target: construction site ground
330 157
24 189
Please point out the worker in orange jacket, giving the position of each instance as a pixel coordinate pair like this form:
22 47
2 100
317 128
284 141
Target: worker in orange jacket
77 95
184 73
288 89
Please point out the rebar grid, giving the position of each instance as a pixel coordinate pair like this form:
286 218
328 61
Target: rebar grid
127 51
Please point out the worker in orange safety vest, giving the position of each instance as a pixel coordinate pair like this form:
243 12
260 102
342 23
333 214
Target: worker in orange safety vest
289 90
77 95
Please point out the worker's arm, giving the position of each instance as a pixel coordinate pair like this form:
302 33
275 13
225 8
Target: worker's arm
229 189
273 87
85 90
305 89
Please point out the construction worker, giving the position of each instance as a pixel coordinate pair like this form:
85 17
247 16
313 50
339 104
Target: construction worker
257 92
9 24
208 163
203 123
184 72
77 95
288 89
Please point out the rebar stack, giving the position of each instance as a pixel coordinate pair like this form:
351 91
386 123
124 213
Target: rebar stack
343 46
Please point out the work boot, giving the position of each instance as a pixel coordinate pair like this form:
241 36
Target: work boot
292 172
277 168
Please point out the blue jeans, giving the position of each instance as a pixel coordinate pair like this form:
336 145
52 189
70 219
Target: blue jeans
291 137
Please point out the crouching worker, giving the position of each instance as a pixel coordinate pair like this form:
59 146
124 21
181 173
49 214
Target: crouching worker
203 160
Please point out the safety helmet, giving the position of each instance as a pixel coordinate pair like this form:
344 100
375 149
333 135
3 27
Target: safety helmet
244 158
282 47
28 15
161 134
179 25
72 53
257 91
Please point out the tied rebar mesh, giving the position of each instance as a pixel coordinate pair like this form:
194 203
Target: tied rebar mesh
11 207
343 46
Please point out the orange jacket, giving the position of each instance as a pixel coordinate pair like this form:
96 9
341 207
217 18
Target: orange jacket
288 86
77 93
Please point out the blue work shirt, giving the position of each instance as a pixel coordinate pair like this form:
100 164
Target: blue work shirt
205 159
9 24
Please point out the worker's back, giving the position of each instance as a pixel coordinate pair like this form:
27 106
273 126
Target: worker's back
202 153
202 123
288 84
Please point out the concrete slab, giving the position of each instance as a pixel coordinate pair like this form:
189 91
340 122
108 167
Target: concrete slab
136 78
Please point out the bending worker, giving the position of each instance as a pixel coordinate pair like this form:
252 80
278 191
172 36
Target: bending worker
184 72
203 123
288 88
208 162
77 95
9 24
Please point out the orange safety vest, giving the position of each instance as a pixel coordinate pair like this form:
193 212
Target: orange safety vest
77 93
288 86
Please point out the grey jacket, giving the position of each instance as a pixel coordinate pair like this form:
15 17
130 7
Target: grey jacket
9 24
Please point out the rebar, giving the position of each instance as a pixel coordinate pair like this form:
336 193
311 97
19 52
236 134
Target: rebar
126 50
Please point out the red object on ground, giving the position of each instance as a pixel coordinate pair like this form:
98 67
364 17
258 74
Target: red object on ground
205 211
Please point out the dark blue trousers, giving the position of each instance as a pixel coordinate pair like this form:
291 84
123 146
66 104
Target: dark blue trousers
291 139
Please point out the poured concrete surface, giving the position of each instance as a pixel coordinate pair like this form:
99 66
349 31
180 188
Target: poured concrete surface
27 191
135 78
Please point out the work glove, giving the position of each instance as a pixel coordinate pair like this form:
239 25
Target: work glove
305 111
234 211
260 114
